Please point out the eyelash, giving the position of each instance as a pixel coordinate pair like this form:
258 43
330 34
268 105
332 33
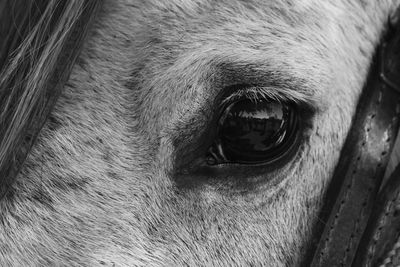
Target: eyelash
266 94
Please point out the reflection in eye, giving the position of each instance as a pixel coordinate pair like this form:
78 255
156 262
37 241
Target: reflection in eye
253 132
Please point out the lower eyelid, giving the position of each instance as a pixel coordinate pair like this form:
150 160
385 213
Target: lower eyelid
234 178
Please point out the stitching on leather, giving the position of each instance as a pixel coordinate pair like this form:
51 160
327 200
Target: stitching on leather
357 224
364 203
342 202
382 223
345 197
361 214
388 211
349 186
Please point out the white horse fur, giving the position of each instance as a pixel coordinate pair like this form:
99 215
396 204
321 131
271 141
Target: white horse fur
98 187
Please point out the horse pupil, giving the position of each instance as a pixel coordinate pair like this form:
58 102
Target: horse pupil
252 132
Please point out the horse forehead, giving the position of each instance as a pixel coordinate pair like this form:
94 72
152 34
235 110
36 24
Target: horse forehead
163 19
285 9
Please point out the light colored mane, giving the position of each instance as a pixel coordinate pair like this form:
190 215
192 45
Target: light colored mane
36 56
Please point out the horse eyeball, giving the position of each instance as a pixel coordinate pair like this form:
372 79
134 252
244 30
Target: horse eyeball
252 132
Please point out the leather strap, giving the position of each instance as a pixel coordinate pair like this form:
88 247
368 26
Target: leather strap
363 161
383 229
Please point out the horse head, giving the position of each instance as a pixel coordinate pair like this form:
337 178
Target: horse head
129 128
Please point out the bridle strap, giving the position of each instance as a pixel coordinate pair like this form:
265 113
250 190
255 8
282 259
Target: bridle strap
383 229
364 158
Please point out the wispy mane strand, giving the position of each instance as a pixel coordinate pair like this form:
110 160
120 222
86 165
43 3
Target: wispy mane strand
41 42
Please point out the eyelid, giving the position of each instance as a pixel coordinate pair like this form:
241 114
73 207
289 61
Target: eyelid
258 93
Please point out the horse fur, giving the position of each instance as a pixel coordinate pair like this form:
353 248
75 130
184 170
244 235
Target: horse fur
99 186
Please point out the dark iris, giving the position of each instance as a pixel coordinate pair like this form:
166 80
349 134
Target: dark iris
253 132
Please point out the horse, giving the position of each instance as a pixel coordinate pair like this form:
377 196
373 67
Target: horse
112 115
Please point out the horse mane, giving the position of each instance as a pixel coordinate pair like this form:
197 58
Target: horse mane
41 40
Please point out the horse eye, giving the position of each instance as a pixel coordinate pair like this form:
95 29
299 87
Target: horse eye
253 132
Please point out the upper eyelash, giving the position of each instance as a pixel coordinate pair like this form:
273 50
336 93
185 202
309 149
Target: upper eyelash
258 94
